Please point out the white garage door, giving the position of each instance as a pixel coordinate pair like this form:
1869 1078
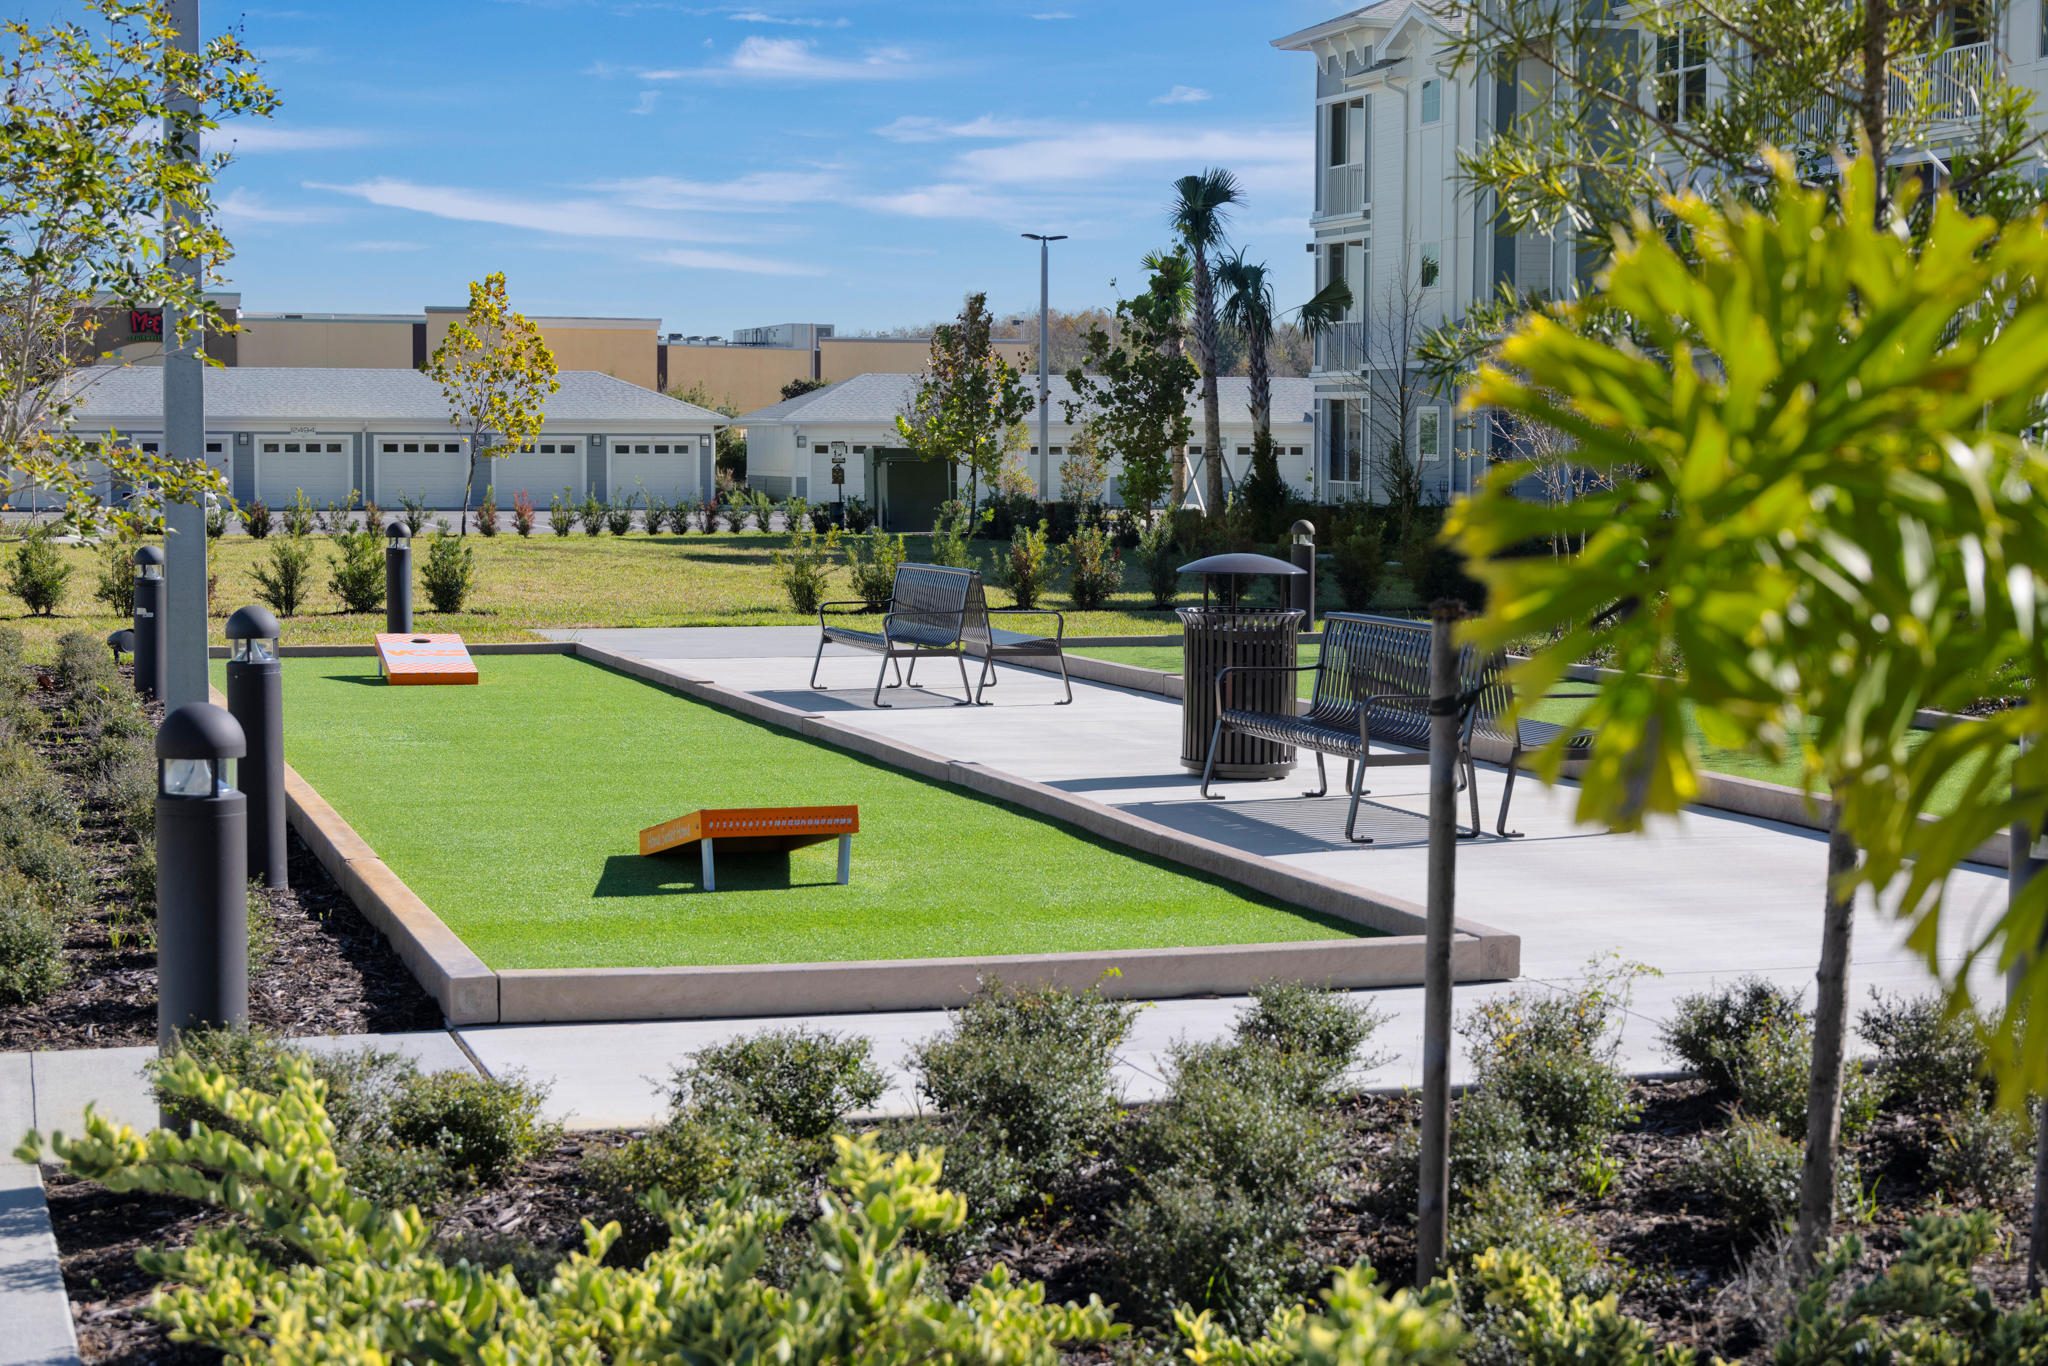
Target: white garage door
542 472
319 469
435 472
666 469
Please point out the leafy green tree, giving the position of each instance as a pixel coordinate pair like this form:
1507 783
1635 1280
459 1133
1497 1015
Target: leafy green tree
1136 399
1200 208
1248 306
1819 503
495 373
1172 283
970 404
82 201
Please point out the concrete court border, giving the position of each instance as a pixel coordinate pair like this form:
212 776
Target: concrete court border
471 993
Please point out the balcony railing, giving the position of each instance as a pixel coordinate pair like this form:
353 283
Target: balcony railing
1343 190
1341 349
1947 85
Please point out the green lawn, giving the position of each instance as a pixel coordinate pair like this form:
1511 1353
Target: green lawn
1737 763
513 809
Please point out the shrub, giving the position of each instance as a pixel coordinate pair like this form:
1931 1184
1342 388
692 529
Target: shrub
297 518
38 574
739 511
1540 1325
1504 1216
480 1127
871 564
618 515
1434 570
522 513
1584 1018
1571 1101
805 569
689 1159
1985 1156
796 513
1706 1028
1773 1070
950 532
31 941
256 518
1031 1069
707 516
116 584
679 517
358 571
284 578
591 515
336 516
126 789
1160 557
1928 1057
801 1081
1239 1116
1358 560
449 573
1323 1027
1754 1170
220 511
653 513
1187 1241
561 514
1098 570
487 514
859 516
1025 569
413 514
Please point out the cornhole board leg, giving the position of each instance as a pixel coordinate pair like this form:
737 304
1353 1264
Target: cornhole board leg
710 878
845 859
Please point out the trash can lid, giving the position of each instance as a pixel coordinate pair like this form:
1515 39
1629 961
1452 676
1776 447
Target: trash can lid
1240 564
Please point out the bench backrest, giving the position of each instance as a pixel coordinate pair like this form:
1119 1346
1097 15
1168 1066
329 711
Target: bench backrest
1386 657
938 607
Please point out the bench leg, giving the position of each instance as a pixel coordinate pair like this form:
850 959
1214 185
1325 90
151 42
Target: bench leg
710 874
818 660
988 678
845 859
1323 779
1507 794
1208 764
883 676
966 688
1472 793
1349 764
911 677
1357 791
1068 682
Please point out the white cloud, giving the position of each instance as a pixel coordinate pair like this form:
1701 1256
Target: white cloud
645 104
754 16
1182 94
245 137
945 200
565 215
924 128
1100 152
760 191
796 59
725 260
244 206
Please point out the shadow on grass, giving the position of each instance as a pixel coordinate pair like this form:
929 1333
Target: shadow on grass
683 871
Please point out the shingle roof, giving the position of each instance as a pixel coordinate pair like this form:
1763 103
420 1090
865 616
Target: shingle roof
879 398
260 393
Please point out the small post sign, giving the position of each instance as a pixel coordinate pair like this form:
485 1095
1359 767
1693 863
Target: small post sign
839 463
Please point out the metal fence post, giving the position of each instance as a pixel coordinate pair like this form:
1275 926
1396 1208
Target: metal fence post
1432 1215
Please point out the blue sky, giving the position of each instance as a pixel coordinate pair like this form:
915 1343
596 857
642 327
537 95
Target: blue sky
863 164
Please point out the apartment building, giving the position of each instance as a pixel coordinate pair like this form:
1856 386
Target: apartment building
1392 219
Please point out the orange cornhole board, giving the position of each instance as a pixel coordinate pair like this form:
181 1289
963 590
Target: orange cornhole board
752 829
424 659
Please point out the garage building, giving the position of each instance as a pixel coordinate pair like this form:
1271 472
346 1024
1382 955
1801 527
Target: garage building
384 435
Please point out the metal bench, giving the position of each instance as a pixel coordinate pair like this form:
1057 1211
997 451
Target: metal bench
933 610
1372 685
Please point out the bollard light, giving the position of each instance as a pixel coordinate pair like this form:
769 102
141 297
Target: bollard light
1302 553
121 642
202 874
256 701
151 661
398 581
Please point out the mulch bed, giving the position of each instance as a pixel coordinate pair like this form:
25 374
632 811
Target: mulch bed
326 970
1689 1283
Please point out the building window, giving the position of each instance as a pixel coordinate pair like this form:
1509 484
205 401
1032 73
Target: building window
1340 144
661 450
1432 101
1969 23
1057 450
821 449
270 448
1681 75
390 448
1294 450
334 448
213 448
1429 434
1343 433
1431 265
291 447
412 447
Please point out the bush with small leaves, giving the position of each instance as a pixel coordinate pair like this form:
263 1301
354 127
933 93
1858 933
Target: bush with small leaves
804 1082
1929 1057
298 517
1241 1116
1984 1156
1096 570
1754 1170
561 514
1358 561
448 573
480 1127
1707 1028
1538 1323
38 575
116 583
653 513
618 515
1189 1242
1502 1216
1160 558
31 941
692 1157
357 576
256 518
523 516
1027 566
125 788
805 568
1772 1070
871 564
1572 1102
590 515
1319 1026
284 578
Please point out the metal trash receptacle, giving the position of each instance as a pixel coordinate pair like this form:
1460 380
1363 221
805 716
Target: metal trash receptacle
1213 639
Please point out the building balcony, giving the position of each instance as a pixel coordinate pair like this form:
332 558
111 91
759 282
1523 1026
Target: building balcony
1945 86
1341 350
1344 192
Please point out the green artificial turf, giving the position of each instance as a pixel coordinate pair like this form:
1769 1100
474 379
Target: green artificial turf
513 809
1715 758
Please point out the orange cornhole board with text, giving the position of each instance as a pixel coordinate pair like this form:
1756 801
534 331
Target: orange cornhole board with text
424 659
755 829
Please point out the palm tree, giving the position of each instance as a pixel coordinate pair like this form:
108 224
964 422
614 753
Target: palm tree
1248 307
1200 205
1173 284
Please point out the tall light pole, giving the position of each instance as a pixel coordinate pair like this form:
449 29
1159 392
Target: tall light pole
181 635
1044 346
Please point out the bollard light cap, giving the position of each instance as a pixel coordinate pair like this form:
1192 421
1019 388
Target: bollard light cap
252 623
149 554
1302 532
122 640
200 731
396 531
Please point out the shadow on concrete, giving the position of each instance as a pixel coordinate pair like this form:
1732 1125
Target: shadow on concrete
859 699
1301 825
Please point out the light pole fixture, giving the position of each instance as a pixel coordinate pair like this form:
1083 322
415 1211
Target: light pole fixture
121 642
398 581
255 679
1302 553
202 875
839 477
1045 242
149 624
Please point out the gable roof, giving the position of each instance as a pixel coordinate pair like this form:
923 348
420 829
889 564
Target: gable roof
264 393
878 398
1382 20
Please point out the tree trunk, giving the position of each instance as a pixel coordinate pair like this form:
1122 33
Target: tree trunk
1873 102
1212 417
468 485
1830 1034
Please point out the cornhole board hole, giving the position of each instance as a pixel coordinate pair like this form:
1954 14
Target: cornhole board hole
424 659
756 829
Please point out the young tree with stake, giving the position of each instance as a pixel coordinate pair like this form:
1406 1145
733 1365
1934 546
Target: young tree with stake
970 403
495 373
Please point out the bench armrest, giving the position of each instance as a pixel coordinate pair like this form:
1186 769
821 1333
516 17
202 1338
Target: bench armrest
1059 618
861 609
